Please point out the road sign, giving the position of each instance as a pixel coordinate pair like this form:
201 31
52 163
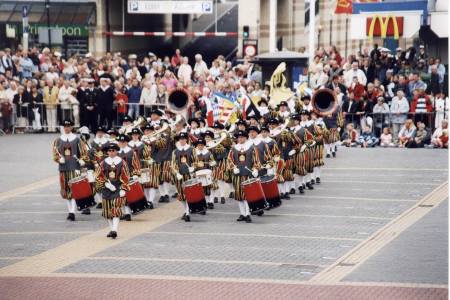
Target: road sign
250 47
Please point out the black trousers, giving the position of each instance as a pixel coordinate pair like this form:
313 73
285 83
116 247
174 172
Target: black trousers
91 118
106 118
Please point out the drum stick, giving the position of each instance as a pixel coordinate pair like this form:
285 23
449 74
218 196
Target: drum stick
251 171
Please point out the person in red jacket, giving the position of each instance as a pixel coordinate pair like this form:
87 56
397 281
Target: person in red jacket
421 107
121 101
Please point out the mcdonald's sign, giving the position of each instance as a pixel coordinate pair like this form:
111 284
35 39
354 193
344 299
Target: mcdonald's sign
384 26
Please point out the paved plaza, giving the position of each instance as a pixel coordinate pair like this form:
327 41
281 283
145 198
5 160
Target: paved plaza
375 228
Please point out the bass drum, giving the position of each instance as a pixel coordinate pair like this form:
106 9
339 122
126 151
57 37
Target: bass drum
254 195
82 192
135 197
270 187
195 197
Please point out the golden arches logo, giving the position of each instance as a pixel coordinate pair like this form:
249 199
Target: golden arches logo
384 22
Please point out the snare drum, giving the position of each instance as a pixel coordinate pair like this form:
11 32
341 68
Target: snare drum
270 188
205 177
194 195
135 197
145 176
82 192
254 194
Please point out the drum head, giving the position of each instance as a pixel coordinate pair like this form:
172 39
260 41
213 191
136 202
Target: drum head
204 172
191 182
250 181
267 178
76 179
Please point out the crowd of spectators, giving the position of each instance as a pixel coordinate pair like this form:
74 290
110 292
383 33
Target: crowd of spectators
388 99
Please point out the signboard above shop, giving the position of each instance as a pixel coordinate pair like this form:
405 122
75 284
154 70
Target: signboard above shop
169 7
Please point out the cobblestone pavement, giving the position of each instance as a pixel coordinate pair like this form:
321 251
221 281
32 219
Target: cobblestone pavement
298 251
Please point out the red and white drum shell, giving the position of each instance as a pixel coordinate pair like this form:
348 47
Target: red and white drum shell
136 192
193 191
81 188
253 190
270 187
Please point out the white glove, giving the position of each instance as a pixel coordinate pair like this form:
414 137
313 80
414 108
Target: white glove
122 193
236 171
77 172
62 160
276 158
270 172
191 169
135 177
339 129
179 176
150 161
213 164
110 186
81 162
292 152
303 148
152 139
255 173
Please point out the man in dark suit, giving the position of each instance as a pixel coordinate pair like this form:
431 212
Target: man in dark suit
105 100
335 83
349 109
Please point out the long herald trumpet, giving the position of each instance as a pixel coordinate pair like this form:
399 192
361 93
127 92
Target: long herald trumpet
155 135
215 143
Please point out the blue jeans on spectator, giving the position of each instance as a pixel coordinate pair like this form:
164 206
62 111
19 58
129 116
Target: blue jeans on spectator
133 110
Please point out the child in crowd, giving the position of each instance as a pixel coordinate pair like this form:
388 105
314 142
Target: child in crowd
386 138
367 138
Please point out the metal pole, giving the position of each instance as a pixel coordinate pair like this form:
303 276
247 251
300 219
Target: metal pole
273 26
47 8
346 35
215 13
123 15
312 29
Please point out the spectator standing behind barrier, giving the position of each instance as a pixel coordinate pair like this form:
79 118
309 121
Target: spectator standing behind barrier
63 99
399 113
349 109
105 100
5 110
380 116
25 66
441 106
91 105
185 71
406 134
134 96
148 96
420 106
36 103
22 103
121 101
50 94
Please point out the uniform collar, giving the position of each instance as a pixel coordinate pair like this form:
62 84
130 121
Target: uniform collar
125 150
134 144
183 148
243 147
256 141
103 140
203 152
116 160
68 137
267 140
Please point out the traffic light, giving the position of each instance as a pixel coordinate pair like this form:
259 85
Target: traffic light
246 32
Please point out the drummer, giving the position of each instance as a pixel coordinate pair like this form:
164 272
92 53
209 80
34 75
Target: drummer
71 156
264 154
182 168
97 154
112 179
131 158
204 160
244 162
275 153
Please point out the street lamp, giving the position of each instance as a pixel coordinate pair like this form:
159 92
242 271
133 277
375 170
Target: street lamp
47 9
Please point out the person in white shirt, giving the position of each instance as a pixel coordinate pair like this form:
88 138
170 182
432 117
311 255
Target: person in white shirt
148 96
355 72
399 113
439 139
185 71
441 106
63 98
200 67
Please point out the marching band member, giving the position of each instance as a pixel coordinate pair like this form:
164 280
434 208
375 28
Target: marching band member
307 139
97 155
300 156
112 177
88 168
319 130
204 160
70 154
163 154
151 143
276 153
112 136
286 143
127 124
284 110
264 154
134 167
243 161
182 167
331 138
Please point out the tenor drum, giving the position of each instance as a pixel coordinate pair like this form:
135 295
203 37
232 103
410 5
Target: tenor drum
135 197
270 188
145 176
82 192
195 197
205 177
254 194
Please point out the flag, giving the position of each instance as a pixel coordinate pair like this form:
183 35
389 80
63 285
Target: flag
343 7
223 107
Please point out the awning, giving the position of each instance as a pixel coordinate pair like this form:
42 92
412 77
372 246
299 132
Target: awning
439 23
61 12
